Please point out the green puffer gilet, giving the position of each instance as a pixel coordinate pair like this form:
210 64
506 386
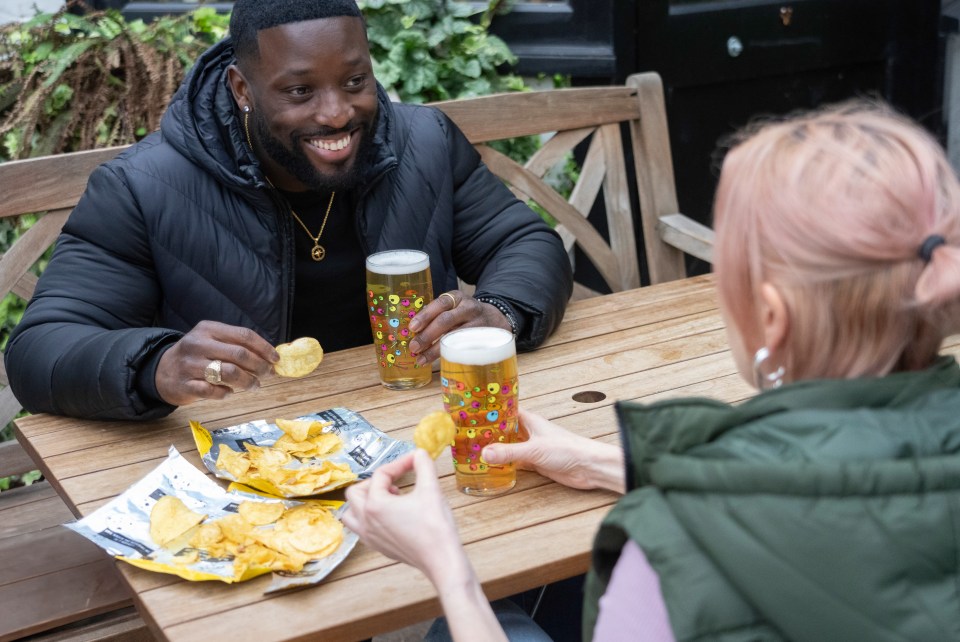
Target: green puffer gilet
823 510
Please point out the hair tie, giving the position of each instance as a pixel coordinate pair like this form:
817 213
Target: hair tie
929 244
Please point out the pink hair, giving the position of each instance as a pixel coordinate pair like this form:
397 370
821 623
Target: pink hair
831 208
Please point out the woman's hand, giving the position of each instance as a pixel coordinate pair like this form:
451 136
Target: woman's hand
566 458
417 528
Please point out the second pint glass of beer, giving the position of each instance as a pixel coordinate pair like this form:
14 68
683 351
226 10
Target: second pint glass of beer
478 374
398 286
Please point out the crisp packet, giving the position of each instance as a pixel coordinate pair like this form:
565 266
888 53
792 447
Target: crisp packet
365 448
122 526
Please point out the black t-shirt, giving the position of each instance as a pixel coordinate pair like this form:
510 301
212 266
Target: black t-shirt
329 298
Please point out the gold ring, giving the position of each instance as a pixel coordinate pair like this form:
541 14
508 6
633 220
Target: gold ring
212 373
453 300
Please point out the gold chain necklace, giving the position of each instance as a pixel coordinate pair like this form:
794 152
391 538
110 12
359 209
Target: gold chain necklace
317 252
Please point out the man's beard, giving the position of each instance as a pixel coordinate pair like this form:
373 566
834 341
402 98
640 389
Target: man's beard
295 161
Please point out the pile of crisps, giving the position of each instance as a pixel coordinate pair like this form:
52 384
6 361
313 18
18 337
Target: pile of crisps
303 439
262 535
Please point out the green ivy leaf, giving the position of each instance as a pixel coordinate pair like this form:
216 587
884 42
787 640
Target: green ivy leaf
468 67
59 98
40 53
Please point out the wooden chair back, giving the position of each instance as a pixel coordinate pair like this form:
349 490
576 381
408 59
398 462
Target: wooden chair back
50 187
667 234
565 119
594 115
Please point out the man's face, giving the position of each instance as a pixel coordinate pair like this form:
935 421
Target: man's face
314 102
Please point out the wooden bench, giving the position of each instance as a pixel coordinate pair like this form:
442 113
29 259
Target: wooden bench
56 579
54 584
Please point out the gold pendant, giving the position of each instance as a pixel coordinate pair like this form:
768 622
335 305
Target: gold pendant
317 253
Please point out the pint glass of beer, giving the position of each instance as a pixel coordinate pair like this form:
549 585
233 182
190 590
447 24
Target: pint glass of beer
398 286
478 372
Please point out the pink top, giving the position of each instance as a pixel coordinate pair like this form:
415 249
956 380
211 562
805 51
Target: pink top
632 608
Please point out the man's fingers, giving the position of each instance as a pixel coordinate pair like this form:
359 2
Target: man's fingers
235 344
450 299
435 320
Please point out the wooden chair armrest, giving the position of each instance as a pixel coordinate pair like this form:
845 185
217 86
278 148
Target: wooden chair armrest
686 234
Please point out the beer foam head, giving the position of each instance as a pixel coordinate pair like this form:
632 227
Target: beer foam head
478 346
398 262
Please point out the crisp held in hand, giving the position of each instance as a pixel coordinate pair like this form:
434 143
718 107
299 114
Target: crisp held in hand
298 358
434 433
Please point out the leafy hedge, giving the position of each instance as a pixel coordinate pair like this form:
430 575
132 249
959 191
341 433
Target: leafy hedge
71 82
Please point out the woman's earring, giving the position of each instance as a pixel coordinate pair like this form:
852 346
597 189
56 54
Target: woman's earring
764 381
246 109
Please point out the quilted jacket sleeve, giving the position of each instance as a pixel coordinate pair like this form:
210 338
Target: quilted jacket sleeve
87 331
504 247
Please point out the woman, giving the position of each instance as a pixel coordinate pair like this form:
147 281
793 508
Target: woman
826 507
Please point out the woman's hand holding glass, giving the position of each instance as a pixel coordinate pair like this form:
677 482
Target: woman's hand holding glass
565 457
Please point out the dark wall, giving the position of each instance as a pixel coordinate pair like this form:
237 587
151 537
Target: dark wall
726 61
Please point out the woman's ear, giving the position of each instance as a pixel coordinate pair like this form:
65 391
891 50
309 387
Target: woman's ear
774 317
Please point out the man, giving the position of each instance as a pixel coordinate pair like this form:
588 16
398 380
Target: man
244 222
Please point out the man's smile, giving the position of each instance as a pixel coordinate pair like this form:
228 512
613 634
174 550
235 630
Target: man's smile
330 145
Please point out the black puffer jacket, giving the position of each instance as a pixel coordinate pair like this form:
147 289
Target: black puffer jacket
182 227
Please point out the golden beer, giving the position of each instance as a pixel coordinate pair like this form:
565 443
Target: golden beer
398 286
478 375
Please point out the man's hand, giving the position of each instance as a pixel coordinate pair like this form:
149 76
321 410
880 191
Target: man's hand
450 311
243 354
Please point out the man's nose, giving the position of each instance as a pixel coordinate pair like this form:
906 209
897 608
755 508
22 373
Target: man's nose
333 109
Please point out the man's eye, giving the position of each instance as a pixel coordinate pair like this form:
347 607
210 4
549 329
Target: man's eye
356 81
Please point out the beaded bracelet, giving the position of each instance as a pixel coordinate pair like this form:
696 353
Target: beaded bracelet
504 308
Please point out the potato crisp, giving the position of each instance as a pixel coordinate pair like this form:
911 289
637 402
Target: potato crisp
301 429
298 358
170 518
435 433
280 465
209 533
269 536
306 455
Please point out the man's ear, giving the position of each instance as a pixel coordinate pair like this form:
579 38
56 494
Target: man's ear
239 87
774 317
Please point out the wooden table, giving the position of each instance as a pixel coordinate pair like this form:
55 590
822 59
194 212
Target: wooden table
647 344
